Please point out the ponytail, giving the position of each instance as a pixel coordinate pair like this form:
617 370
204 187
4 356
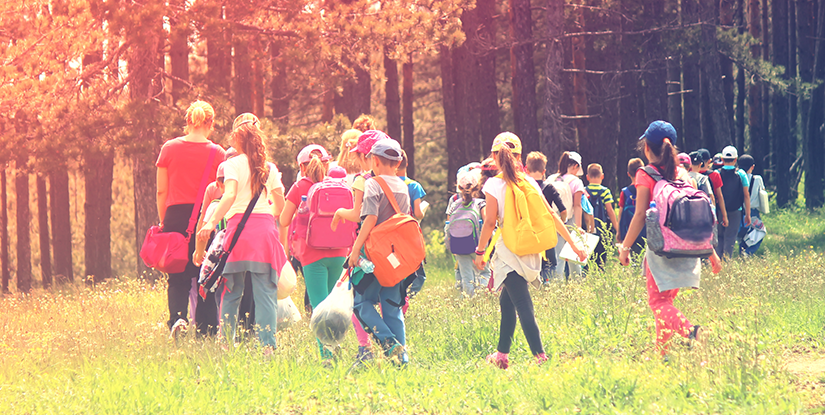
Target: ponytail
315 169
564 163
251 140
199 115
666 156
507 165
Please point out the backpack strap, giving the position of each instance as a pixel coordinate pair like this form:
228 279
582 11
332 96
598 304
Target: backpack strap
750 187
193 218
387 192
653 173
249 208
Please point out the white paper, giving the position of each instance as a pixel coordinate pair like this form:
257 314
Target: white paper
393 260
586 242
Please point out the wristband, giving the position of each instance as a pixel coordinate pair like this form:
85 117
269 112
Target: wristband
479 252
622 248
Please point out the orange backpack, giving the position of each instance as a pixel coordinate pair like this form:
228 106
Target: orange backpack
396 246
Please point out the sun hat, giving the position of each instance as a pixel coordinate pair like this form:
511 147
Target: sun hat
245 118
507 139
729 153
657 131
387 148
367 139
684 158
306 153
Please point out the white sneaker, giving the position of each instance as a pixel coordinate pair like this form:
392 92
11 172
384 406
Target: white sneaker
179 326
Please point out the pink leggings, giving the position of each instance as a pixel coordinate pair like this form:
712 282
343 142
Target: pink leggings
669 319
363 337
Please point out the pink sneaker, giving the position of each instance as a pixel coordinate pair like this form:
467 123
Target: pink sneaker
541 358
498 360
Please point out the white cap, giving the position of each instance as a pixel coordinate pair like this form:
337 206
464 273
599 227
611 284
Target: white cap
578 159
730 153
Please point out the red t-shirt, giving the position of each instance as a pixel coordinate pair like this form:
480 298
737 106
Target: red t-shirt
184 162
298 189
643 179
715 179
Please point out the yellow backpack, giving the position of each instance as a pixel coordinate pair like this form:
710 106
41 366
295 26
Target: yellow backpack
528 226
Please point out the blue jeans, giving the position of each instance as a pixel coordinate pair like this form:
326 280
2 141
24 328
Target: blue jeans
390 323
418 282
266 306
743 230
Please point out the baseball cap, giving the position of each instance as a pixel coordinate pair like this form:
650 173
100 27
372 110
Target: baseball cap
306 153
657 131
245 118
367 139
696 158
684 158
387 148
578 159
704 153
730 153
469 178
507 139
746 162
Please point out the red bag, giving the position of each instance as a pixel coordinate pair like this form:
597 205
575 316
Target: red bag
168 252
396 246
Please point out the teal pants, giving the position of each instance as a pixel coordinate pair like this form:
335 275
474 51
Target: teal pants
265 293
320 276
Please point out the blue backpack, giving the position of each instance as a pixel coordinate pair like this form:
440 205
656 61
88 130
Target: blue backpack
628 211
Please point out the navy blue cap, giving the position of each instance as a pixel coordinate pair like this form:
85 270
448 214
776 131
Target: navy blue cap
658 131
705 154
696 158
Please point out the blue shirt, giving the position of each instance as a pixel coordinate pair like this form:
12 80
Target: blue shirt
415 190
742 176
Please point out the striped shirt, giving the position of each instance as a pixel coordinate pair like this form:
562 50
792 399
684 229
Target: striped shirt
600 191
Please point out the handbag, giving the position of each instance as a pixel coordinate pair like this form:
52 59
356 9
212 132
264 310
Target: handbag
168 252
211 274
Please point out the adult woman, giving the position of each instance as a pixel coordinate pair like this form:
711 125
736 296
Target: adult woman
510 271
250 179
181 165
570 169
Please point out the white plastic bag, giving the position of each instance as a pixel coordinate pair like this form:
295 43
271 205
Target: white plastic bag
288 313
333 317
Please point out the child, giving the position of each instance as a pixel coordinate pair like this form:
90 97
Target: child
469 277
570 169
418 207
735 192
627 206
512 272
747 163
702 181
658 146
536 166
387 327
602 201
716 184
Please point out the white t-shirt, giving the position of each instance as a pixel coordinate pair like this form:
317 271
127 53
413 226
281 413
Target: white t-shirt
237 168
497 188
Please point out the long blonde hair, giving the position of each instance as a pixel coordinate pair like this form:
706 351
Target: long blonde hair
349 161
509 164
315 169
199 115
251 140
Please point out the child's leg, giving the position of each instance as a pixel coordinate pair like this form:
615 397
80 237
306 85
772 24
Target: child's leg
669 319
557 265
730 232
316 277
466 269
361 334
266 307
229 306
519 294
484 275
392 315
508 319
364 308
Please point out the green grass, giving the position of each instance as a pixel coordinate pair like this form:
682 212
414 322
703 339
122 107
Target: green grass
106 349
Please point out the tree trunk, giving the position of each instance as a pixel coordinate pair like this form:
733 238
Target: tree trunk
98 170
806 11
757 139
279 85
765 144
674 94
524 77
740 81
784 146
578 48
61 224
244 74
815 137
219 53
409 126
795 168
43 223
464 80
258 94
357 92
393 99
5 273
726 12
693 132
487 92
655 74
452 122
720 128
24 248
631 112
179 48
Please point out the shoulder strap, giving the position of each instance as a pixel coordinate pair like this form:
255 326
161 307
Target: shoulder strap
193 218
750 187
244 219
388 193
653 173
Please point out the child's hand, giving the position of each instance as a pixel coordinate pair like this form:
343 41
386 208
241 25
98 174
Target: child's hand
747 219
624 256
581 254
352 261
205 232
197 257
479 262
715 263
336 218
724 220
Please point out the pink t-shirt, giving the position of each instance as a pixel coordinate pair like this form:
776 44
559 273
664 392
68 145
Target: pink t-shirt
298 189
576 184
184 162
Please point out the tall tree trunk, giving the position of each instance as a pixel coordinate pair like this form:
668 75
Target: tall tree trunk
98 170
726 14
784 146
815 136
552 129
720 127
524 77
258 94
578 49
631 111
487 92
452 121
61 224
179 48
464 80
244 74
409 126
655 74
674 94
357 92
693 133
24 248
806 12
279 85
795 168
43 223
765 144
741 90
218 53
5 273
757 139
393 99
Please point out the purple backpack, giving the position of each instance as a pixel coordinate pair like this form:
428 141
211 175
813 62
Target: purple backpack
323 199
680 221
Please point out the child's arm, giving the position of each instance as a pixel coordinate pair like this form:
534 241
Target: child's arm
285 219
577 208
565 234
366 228
490 219
204 207
220 211
163 191
352 215
612 215
418 213
636 225
276 196
747 215
720 206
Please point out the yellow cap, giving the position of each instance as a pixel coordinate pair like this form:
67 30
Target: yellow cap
507 139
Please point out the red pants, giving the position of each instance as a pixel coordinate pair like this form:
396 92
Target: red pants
669 319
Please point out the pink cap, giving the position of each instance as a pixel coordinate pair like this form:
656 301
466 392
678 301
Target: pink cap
306 154
684 158
367 139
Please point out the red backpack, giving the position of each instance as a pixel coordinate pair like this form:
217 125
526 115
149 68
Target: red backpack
323 199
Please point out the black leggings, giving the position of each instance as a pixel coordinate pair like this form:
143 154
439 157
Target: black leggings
515 297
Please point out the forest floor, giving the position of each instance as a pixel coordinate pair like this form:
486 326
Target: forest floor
106 349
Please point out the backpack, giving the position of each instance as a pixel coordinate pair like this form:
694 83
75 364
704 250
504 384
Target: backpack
563 187
732 190
464 228
599 209
628 211
702 182
396 246
528 226
680 221
297 233
324 198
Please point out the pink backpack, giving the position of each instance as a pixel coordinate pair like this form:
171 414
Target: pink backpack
323 199
680 221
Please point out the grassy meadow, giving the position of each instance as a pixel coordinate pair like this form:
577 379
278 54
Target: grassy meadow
106 349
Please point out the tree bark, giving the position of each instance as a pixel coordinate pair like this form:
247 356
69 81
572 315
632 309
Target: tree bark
218 55
726 14
486 89
393 99
452 121
757 139
631 111
98 170
244 74
783 145
693 133
720 128
5 273
655 74
407 117
357 92
279 85
524 77
580 93
765 144
815 136
179 48
43 223
795 168
61 224
674 94
741 90
24 251
806 32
